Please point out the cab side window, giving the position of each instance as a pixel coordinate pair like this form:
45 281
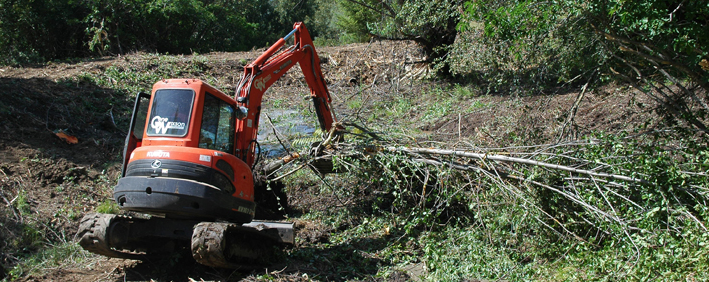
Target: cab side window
217 130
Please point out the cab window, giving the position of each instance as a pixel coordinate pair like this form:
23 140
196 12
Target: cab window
170 112
217 130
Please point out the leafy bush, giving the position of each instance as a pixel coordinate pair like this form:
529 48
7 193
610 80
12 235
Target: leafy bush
660 47
528 46
524 45
431 24
40 29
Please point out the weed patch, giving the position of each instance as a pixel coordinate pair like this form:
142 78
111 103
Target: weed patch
61 255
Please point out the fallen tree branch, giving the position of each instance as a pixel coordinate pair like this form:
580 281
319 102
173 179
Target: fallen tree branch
516 193
363 129
501 158
276 133
572 112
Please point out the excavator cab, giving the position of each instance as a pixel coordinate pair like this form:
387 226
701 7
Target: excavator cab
184 164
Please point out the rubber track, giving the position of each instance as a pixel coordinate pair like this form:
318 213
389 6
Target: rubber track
92 236
210 242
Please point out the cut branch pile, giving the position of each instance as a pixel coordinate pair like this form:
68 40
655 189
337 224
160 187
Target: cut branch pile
560 183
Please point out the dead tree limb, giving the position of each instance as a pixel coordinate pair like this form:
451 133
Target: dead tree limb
572 112
501 158
276 133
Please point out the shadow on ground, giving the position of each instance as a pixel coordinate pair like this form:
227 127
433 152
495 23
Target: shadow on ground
341 262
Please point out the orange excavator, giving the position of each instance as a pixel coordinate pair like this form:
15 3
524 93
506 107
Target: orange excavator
188 170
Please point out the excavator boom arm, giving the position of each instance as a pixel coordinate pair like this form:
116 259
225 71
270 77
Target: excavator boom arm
266 70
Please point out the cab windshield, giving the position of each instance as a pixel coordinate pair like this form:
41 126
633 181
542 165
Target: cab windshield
170 112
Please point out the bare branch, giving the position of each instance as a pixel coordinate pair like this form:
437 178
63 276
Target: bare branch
276 133
663 59
501 158
392 13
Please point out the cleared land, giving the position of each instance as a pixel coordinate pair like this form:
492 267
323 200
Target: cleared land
48 185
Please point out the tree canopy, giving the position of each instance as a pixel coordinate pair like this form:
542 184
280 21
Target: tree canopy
659 47
517 44
49 29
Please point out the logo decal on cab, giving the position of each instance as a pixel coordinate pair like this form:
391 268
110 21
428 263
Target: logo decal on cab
158 154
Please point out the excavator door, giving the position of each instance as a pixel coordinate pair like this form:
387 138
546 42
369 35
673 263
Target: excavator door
134 138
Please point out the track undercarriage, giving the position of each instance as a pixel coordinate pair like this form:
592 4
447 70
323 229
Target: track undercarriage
216 244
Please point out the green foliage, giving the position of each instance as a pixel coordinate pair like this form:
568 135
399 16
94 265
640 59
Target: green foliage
21 203
355 20
665 26
458 254
108 206
525 43
642 230
546 225
285 13
35 30
59 255
149 69
660 46
527 47
183 26
30 238
432 24
47 29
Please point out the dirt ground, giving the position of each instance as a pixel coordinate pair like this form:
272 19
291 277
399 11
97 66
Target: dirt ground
60 182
